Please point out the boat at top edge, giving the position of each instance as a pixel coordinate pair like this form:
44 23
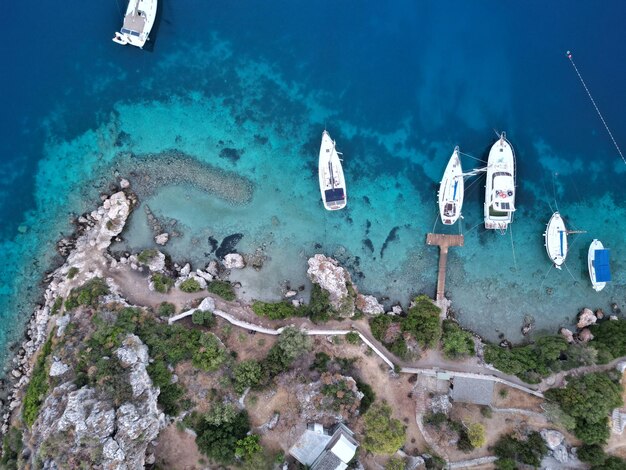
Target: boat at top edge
138 22
500 186
598 263
451 190
555 238
332 181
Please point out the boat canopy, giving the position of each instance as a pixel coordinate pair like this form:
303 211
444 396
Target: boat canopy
601 265
333 195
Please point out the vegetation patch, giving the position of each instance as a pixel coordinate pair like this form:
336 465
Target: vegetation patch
512 451
223 289
589 400
456 343
382 433
87 294
246 374
37 386
166 309
56 307
276 310
11 449
291 344
162 283
171 393
147 255
209 356
422 322
73 271
203 317
353 337
610 338
190 285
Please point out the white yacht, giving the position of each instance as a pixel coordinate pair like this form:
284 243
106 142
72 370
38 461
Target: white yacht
332 182
500 186
138 22
451 190
598 262
555 238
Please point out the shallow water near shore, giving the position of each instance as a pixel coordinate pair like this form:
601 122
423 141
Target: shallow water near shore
218 129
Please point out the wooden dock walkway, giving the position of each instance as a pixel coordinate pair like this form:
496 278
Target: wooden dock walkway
443 241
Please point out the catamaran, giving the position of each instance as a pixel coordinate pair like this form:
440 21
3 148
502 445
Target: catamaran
598 262
451 190
138 22
500 185
332 182
555 238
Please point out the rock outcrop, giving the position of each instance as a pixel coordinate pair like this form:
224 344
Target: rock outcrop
335 280
369 305
84 427
567 334
234 261
586 318
553 438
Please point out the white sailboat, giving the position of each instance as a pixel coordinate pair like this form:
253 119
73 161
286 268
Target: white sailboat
138 22
332 181
555 238
451 190
598 262
500 186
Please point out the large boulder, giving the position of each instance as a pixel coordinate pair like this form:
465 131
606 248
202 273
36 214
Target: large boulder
586 318
585 335
335 280
552 437
567 334
234 261
369 305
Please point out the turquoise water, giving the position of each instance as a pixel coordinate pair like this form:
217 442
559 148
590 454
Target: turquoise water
396 85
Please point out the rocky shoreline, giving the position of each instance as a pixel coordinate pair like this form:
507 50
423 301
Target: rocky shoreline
86 248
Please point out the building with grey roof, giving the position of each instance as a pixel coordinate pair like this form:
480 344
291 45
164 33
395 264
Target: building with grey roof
318 449
472 390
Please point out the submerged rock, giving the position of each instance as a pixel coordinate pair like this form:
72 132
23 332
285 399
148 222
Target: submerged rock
162 239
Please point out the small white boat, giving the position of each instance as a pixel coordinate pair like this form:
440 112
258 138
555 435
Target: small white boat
555 238
138 22
332 181
451 190
500 186
598 261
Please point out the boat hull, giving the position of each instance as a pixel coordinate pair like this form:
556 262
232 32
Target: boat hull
595 245
451 190
138 22
500 186
331 177
555 238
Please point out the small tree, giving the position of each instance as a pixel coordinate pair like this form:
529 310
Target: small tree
209 356
202 317
383 434
423 322
247 373
248 446
395 463
476 434
190 285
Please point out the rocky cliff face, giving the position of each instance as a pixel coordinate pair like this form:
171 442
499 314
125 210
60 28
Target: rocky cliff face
84 427
343 295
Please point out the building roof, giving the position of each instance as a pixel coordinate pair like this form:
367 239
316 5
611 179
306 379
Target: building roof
472 390
321 451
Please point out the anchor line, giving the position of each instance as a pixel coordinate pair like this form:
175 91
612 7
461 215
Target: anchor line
470 156
569 56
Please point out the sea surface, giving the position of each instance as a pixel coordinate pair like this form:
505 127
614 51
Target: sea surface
218 128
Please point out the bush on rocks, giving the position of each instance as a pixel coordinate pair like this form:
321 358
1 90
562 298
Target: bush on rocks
166 309
147 255
87 294
162 283
37 386
190 285
275 310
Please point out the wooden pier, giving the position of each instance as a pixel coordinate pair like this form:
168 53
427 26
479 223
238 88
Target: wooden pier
443 241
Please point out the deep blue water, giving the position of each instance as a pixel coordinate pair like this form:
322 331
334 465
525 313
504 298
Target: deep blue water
446 72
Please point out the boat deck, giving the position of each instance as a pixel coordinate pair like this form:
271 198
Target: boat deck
444 242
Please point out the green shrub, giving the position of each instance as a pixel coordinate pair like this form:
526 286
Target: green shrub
423 322
87 294
37 386
162 283
248 446
73 271
455 342
190 285
508 449
275 310
203 317
291 344
223 289
368 396
379 325
166 309
610 338
589 400
219 441
382 433
353 337
319 309
320 363
58 303
170 393
12 445
592 454
209 356
395 463
247 373
147 255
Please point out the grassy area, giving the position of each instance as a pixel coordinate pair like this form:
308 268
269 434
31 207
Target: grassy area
37 386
